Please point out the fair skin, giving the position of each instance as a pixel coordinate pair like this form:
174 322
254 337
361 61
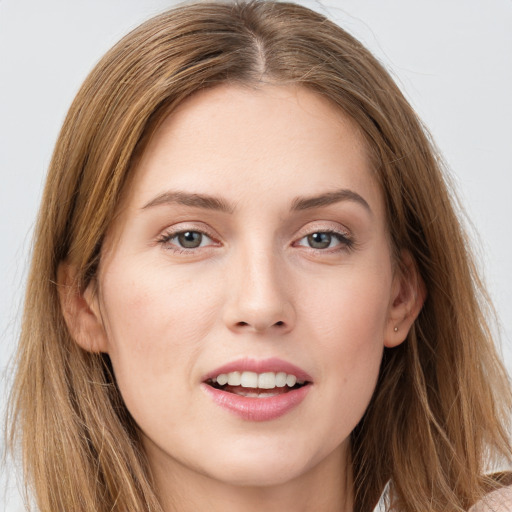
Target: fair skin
265 274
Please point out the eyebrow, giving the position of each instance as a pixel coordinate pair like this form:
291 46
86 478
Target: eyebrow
307 203
208 202
203 201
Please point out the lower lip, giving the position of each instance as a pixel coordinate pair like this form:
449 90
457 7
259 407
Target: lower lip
258 409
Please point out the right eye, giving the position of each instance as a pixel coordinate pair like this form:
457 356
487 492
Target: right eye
185 240
321 240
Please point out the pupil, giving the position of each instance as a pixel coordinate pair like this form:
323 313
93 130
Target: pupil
190 239
319 240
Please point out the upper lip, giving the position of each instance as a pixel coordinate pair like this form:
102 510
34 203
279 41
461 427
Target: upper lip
259 366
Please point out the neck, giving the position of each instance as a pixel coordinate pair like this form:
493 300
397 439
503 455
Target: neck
327 486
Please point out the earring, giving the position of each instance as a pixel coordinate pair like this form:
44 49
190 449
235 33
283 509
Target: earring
396 329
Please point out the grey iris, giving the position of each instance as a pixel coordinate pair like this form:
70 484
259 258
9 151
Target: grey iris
319 240
190 239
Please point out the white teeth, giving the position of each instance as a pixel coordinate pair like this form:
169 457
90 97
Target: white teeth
266 380
281 379
222 379
291 380
234 378
256 394
249 380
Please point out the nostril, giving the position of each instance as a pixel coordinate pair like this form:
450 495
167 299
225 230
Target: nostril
280 323
261 326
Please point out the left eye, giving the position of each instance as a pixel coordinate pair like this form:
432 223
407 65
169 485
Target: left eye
323 240
188 239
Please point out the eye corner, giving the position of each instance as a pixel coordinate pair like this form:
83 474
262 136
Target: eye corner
187 240
331 241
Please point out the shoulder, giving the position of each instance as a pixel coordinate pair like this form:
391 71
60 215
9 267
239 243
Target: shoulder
496 501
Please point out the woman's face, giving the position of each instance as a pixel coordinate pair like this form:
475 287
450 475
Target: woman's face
253 241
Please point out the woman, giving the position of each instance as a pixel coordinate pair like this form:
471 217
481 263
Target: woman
249 288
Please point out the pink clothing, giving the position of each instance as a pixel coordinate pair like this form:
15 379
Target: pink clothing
497 501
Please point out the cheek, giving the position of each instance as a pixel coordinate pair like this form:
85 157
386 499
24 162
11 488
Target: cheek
155 322
349 313
158 303
347 322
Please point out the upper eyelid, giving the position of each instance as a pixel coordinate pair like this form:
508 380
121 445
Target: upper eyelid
323 227
198 226
344 239
173 234
173 231
300 234
165 239
340 234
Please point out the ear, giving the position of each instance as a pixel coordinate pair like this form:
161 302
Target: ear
407 297
81 310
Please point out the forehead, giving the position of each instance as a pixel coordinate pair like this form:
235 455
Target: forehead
240 142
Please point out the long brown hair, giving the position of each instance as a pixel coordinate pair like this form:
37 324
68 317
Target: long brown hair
438 417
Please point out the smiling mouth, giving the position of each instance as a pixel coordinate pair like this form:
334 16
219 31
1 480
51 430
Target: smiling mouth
256 385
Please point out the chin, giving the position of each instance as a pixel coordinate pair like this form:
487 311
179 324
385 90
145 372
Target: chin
247 474
263 466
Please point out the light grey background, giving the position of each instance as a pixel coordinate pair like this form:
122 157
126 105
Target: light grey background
453 58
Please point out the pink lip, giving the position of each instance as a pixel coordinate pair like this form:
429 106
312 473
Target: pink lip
258 409
259 366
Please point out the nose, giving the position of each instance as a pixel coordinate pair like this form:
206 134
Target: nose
259 297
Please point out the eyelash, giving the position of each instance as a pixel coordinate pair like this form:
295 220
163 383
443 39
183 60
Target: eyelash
346 243
168 236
